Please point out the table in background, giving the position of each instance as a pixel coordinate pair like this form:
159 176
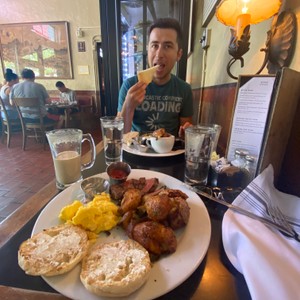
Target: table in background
55 108
215 278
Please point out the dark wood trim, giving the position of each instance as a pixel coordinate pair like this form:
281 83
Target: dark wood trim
215 104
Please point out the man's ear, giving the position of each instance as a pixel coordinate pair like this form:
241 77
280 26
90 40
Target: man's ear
179 54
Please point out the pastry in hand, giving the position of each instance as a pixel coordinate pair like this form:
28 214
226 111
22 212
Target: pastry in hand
146 76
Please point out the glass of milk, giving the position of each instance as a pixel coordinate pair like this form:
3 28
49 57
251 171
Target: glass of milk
65 145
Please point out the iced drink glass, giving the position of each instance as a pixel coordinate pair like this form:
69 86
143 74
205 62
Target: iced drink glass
199 142
112 134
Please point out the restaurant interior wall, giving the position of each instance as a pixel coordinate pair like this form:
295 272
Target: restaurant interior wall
80 14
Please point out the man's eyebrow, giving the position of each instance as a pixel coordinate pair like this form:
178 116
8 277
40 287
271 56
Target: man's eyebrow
164 42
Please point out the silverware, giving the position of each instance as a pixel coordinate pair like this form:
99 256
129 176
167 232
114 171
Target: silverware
247 213
139 147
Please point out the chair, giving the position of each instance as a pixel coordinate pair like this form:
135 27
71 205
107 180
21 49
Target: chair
8 125
30 128
86 109
85 104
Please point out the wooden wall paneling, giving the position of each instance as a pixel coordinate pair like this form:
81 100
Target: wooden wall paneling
216 107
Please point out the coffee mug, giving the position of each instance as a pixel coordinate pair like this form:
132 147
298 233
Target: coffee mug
162 144
65 145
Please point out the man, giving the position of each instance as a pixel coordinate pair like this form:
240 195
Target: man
66 94
30 89
167 101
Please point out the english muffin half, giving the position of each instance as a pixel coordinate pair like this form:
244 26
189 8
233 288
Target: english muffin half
53 251
115 269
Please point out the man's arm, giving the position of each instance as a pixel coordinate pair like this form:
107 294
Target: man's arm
72 97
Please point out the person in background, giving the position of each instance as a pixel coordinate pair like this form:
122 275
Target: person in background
167 101
66 94
10 79
30 89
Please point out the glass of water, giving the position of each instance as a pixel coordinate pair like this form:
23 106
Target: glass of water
112 134
199 142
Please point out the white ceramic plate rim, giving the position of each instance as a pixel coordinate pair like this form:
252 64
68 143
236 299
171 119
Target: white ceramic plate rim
167 273
151 154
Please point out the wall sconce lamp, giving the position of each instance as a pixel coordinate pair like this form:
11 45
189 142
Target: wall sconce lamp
281 38
80 30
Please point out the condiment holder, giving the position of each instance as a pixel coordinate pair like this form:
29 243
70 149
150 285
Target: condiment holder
118 172
94 186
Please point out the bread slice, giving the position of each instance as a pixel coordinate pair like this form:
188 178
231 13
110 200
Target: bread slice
53 251
115 269
146 76
128 137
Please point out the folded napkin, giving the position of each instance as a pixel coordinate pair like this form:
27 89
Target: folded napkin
269 261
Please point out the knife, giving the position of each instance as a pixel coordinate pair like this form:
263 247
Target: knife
244 212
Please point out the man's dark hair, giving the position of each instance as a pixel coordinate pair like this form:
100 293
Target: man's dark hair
168 23
59 84
28 74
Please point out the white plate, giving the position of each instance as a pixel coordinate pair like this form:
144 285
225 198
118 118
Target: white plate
168 272
151 153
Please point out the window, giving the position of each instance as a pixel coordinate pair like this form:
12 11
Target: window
42 47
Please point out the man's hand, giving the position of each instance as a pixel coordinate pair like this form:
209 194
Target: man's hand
135 96
182 129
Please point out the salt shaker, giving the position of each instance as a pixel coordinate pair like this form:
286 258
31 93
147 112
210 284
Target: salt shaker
250 166
240 157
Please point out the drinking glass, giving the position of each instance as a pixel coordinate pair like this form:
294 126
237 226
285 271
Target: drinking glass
199 141
65 145
112 134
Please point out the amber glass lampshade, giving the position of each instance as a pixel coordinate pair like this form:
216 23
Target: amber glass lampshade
240 14
228 11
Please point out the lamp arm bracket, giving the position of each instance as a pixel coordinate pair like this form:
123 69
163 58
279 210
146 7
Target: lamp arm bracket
266 59
231 62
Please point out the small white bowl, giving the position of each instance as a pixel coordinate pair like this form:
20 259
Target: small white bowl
162 144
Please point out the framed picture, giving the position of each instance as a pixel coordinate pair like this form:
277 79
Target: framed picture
42 47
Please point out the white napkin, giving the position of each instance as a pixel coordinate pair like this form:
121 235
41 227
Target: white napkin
269 261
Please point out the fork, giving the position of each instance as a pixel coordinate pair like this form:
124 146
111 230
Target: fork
264 198
278 217
276 214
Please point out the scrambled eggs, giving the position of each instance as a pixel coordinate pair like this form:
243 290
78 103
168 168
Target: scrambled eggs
101 214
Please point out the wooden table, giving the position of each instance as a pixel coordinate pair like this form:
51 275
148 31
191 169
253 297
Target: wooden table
215 278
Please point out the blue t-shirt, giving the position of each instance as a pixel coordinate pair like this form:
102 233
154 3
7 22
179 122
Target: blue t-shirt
162 107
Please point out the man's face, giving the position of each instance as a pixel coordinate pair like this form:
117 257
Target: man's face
61 89
163 50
